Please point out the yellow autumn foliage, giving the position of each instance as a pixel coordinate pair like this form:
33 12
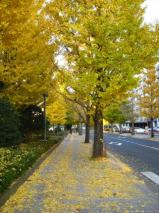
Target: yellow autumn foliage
149 100
68 181
56 111
27 57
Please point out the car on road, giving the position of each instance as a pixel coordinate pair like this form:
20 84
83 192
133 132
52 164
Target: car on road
126 130
139 130
51 128
155 129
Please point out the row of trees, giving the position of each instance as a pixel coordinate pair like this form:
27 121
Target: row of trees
142 103
149 99
104 44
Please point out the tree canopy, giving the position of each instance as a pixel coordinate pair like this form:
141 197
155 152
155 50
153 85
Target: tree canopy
149 100
104 44
27 67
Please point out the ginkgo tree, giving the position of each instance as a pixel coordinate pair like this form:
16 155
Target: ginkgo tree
56 111
105 43
114 115
109 40
27 67
149 100
75 90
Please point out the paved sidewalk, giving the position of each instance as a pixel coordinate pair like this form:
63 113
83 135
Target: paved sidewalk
70 181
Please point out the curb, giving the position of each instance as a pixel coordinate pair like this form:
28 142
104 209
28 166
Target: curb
18 182
149 139
120 163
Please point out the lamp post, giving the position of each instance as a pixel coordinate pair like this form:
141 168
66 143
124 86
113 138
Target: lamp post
45 95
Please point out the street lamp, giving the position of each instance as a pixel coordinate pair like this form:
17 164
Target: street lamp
45 95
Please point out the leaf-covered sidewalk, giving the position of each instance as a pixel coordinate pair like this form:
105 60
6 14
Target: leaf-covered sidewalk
70 181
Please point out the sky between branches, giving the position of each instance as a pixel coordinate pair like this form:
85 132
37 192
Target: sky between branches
151 17
152 11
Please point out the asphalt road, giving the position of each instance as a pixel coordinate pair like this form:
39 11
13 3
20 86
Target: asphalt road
142 155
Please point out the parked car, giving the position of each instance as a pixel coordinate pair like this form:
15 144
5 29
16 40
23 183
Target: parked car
126 130
139 130
155 129
51 128
107 128
115 129
147 130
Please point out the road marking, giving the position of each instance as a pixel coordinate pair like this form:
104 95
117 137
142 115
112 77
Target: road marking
140 144
152 176
119 144
116 143
112 142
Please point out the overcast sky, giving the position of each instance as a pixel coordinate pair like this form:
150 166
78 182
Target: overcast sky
152 11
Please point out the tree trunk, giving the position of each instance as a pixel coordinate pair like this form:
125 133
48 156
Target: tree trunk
152 131
120 127
101 125
132 132
80 129
111 128
87 133
98 146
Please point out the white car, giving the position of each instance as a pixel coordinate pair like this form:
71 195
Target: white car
51 128
139 130
155 129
